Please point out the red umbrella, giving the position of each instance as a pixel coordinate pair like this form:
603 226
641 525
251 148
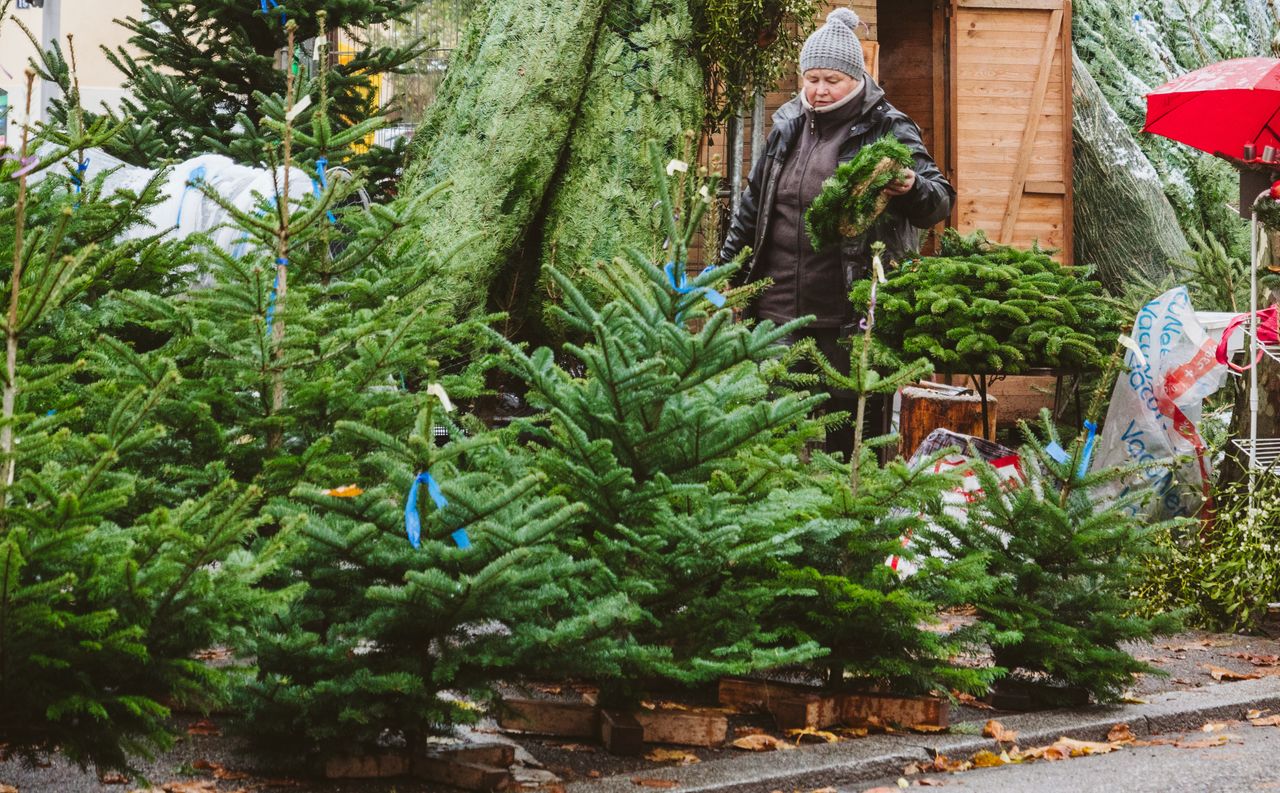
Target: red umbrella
1221 107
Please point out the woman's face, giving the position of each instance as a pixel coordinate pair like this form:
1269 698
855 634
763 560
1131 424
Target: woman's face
823 87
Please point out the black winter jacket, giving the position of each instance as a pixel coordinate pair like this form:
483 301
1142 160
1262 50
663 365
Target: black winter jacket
928 203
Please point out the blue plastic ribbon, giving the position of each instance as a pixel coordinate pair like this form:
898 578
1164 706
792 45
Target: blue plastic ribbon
274 5
321 182
413 524
275 287
1087 457
77 178
193 179
681 285
1058 453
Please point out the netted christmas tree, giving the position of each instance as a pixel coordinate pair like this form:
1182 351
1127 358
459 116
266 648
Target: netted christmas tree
657 429
103 600
853 198
1065 560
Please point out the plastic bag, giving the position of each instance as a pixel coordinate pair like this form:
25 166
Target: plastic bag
1156 408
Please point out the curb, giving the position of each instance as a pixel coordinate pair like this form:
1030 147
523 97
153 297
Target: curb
878 756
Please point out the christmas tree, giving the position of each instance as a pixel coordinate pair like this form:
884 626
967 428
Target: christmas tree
200 77
875 622
660 431
1066 561
104 598
395 638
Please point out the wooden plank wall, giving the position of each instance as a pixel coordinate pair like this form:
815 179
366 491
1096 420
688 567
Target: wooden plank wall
1012 98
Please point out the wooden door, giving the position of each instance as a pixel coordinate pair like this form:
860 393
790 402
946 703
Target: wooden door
1010 120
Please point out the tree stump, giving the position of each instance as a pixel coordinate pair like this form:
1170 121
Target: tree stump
930 406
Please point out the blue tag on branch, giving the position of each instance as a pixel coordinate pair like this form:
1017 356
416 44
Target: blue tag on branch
681 285
1092 438
412 523
1057 453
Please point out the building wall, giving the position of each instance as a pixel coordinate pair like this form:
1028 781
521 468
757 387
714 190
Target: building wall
91 22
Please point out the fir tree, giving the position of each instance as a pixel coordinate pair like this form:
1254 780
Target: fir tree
1065 561
103 602
398 638
207 71
658 433
985 308
874 622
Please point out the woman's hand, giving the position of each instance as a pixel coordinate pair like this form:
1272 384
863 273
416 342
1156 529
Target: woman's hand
902 185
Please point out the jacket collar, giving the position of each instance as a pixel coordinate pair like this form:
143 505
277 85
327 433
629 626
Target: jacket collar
872 95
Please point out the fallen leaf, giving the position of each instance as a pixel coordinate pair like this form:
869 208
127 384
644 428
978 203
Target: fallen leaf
1129 698
741 731
852 732
345 491
926 728
971 701
656 783
205 765
913 769
1219 673
574 747
760 743
814 733
927 782
1215 726
986 759
7 788
594 774
1083 748
1207 743
197 786
824 790
903 784
1267 721
113 778
1121 734
996 730
203 727
943 763
672 756
230 776
1254 714
1257 660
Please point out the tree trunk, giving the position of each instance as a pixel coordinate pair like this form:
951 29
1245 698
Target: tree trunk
1124 224
645 84
498 130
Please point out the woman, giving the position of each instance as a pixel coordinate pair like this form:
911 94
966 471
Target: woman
839 110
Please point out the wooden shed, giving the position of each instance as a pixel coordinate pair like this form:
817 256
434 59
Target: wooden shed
989 83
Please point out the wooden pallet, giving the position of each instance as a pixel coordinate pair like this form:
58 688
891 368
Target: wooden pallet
622 732
481 767
796 707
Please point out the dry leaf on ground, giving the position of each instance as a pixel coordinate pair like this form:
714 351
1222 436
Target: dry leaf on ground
1207 743
654 783
813 734
970 701
946 764
985 759
7 788
1254 714
741 731
1129 698
853 732
672 756
203 727
760 743
197 786
927 782
927 729
1257 660
996 730
1264 721
823 790
1220 673
113 778
1121 734
574 747
1215 726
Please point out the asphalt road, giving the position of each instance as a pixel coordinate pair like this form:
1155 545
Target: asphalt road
1250 761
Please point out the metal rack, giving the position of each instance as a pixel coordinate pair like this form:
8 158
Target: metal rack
1263 452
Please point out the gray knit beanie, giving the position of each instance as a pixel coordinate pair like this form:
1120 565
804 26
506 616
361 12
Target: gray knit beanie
835 46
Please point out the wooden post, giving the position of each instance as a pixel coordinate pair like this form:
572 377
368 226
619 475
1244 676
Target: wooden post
930 406
620 733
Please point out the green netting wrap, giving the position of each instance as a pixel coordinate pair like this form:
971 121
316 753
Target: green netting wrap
497 132
853 198
645 84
